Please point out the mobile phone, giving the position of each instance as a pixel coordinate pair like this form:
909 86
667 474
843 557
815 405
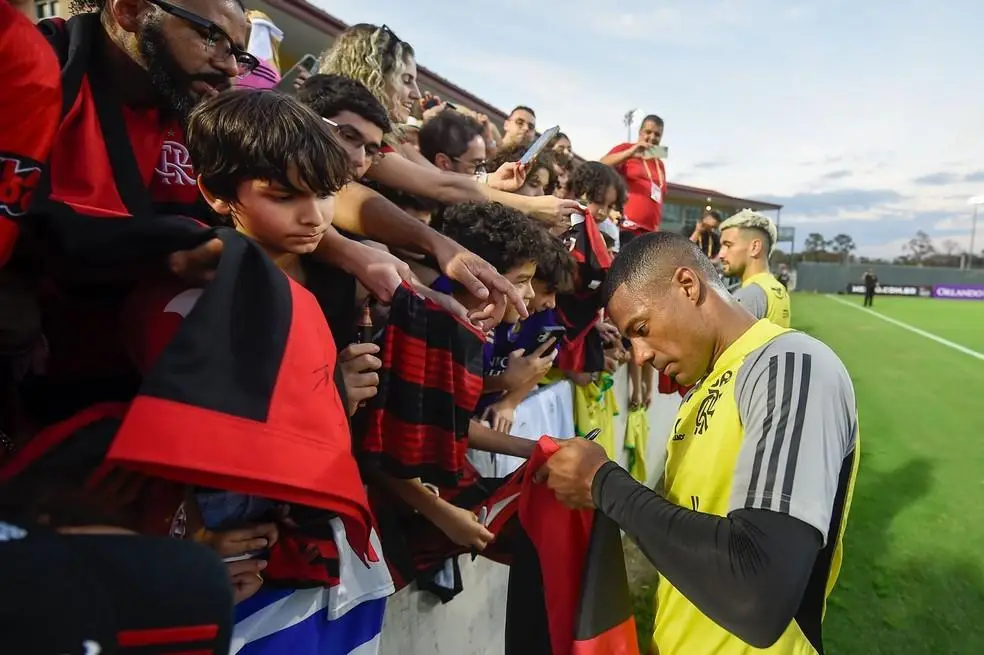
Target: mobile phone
307 63
539 145
656 152
557 331
591 436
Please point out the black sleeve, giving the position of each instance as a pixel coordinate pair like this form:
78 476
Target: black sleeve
747 571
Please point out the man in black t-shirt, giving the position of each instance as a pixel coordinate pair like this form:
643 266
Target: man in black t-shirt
870 282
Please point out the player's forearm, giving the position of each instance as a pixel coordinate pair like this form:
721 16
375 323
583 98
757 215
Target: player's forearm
363 211
747 571
493 441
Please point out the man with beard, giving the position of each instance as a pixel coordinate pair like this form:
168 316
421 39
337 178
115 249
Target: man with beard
131 71
747 241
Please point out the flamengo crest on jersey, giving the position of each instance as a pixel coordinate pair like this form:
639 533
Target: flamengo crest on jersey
18 178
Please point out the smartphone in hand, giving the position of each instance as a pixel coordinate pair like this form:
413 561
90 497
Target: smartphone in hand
307 64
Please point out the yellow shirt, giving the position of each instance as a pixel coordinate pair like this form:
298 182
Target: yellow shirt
778 407
765 297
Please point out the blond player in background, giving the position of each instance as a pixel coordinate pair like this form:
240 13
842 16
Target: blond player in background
747 240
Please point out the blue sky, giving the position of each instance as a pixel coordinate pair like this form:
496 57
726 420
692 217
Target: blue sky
863 117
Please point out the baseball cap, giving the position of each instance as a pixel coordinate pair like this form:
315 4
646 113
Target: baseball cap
107 594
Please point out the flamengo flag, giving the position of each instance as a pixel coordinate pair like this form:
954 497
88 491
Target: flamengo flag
585 587
242 397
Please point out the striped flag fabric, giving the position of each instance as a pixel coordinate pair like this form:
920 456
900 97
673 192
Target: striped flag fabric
344 619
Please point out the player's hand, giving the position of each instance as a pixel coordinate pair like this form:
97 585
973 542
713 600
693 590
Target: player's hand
571 470
511 177
359 365
245 578
196 267
480 279
463 528
233 543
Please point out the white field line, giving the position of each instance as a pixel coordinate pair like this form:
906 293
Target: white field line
905 326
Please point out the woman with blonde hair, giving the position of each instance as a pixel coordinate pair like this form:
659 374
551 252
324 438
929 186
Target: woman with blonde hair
386 65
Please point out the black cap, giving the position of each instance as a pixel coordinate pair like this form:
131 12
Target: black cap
103 594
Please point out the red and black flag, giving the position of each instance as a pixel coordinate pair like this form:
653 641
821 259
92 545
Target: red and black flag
429 385
568 591
242 397
583 350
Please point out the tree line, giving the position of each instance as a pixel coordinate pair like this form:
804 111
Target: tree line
920 250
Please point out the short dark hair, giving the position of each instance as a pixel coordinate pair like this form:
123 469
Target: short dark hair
651 118
522 108
449 132
502 236
555 266
329 95
592 179
252 134
649 261
716 215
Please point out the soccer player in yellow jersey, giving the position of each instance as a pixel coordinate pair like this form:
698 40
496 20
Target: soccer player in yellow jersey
746 526
747 240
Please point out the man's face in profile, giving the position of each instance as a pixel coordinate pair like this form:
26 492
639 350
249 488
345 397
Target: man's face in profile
666 326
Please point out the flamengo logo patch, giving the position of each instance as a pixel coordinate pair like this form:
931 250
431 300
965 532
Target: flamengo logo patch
18 178
174 166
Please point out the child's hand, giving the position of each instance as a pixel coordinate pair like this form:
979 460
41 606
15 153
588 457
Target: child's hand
463 528
233 543
359 366
245 578
500 416
609 333
523 370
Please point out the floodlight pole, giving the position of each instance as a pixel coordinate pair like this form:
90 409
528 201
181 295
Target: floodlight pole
627 119
973 233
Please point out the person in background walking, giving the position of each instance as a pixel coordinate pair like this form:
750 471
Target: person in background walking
783 276
870 282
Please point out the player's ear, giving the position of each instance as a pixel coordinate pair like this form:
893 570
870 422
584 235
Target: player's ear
219 206
689 284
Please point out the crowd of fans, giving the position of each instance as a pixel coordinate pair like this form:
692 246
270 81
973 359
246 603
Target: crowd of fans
274 323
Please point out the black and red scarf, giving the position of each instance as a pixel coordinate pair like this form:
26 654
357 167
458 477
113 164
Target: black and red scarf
583 350
241 398
429 385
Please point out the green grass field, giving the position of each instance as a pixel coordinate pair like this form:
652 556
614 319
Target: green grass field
913 578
